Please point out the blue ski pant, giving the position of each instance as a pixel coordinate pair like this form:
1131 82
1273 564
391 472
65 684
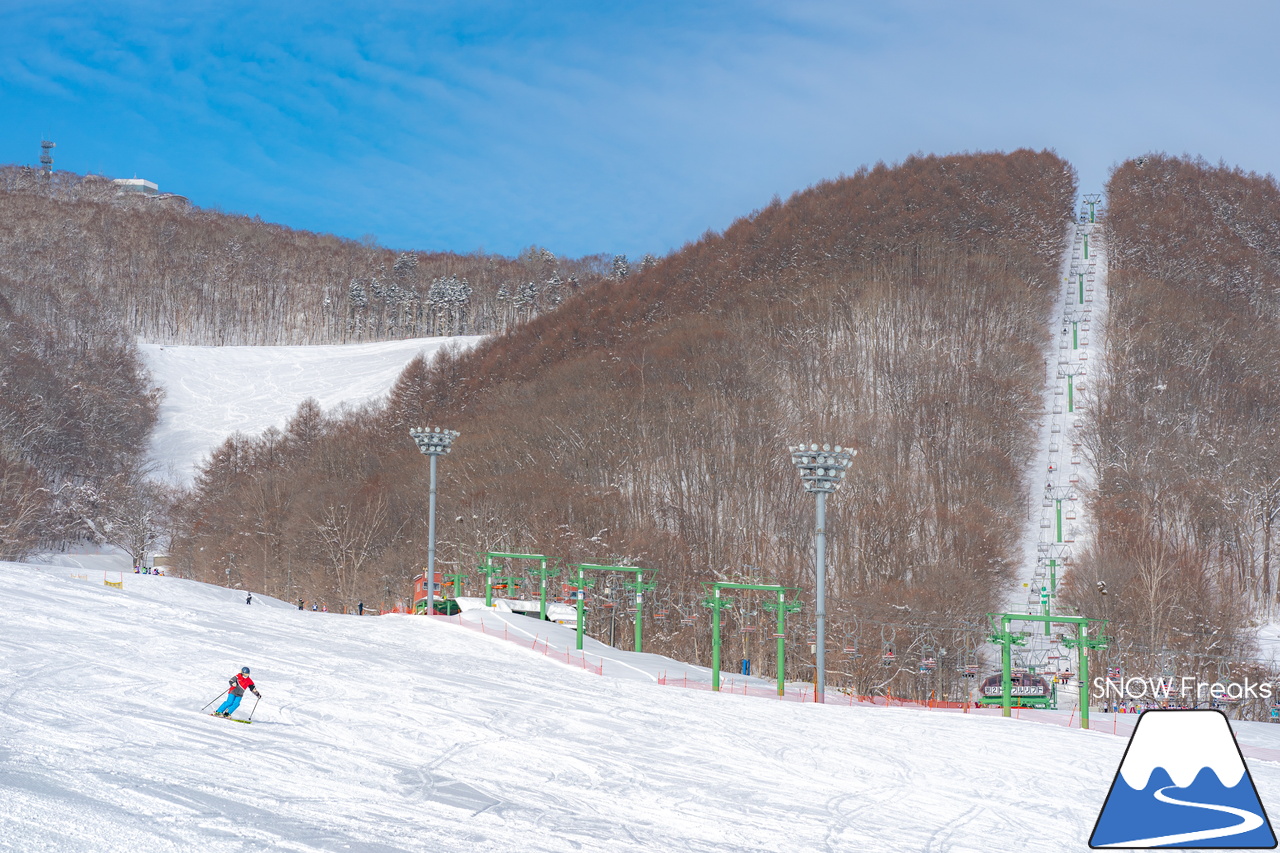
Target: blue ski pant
233 702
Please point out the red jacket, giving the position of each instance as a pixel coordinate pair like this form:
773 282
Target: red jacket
240 683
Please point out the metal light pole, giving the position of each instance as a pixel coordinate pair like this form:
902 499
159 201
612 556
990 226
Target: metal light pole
821 470
432 442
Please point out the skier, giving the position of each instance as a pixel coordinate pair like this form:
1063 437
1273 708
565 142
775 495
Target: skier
360 609
248 599
239 682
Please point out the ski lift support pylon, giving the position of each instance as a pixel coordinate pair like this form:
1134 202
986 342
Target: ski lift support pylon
638 586
491 575
1006 640
779 604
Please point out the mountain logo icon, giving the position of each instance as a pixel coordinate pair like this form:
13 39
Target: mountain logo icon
1183 783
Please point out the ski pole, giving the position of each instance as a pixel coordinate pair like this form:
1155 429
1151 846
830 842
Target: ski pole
216 698
254 708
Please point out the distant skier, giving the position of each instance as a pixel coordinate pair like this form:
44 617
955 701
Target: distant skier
360 609
239 683
300 603
248 598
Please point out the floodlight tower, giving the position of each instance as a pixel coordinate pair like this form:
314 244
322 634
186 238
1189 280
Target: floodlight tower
432 442
821 471
46 156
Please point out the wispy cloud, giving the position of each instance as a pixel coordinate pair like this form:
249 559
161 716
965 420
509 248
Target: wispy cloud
600 128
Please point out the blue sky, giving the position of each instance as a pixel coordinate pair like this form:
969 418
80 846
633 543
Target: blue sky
610 127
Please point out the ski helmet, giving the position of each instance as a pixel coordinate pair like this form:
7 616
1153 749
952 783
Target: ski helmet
244 670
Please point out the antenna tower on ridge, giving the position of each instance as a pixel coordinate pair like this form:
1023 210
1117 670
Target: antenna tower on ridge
46 156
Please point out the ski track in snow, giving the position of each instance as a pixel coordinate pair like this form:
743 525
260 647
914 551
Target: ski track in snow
400 733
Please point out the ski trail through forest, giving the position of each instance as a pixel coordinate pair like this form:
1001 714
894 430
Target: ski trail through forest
1058 528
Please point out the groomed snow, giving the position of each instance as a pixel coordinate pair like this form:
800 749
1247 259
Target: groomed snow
402 733
212 392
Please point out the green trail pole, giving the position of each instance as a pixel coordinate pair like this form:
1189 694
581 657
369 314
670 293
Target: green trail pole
1006 640
639 620
580 593
1086 247
1083 664
783 607
782 648
542 585
1082 647
716 603
638 588
1006 679
1091 219
1071 393
715 643
1075 331
1053 577
1082 288
455 582
488 569
1058 514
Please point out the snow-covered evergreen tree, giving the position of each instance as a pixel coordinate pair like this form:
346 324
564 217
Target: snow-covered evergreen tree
621 268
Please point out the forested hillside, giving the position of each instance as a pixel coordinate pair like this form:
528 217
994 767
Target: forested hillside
76 410
172 273
1185 439
900 310
85 270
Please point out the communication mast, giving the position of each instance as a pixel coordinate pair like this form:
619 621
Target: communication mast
46 156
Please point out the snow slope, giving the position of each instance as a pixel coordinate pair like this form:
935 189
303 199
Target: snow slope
211 392
401 733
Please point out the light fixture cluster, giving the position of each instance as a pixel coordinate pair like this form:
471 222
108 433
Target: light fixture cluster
822 468
433 441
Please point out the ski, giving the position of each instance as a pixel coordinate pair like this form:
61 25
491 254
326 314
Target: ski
232 719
